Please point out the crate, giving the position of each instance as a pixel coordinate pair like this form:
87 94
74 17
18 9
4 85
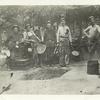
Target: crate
93 67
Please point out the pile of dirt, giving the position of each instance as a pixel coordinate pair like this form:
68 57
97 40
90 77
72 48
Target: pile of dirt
44 73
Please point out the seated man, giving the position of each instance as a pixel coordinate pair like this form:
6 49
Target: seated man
13 39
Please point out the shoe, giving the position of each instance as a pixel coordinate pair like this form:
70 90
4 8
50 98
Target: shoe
63 65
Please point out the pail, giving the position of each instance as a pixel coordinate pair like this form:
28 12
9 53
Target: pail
2 59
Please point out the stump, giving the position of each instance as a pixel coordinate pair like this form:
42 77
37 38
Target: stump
93 67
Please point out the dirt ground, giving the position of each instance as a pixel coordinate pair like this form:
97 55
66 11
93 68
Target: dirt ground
51 80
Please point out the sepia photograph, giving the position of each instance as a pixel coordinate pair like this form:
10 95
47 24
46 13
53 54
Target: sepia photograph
50 49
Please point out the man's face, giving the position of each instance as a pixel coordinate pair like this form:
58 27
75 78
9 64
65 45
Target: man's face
63 23
92 21
55 24
16 30
36 28
28 28
49 25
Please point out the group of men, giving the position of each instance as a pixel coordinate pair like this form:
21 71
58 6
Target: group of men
52 36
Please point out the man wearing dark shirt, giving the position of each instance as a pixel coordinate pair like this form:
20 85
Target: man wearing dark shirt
14 39
49 39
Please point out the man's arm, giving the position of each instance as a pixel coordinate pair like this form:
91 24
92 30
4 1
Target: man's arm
98 29
45 36
86 30
33 35
24 34
70 36
57 35
42 35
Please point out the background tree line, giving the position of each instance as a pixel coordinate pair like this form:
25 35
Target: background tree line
76 16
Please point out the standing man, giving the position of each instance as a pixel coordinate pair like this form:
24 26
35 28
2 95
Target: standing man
63 39
39 33
49 39
29 35
92 32
55 27
4 37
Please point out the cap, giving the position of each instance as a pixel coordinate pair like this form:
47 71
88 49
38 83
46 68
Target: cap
15 26
62 15
27 25
49 21
91 17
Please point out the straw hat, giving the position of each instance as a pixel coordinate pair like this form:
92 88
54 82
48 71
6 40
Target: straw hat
16 26
75 53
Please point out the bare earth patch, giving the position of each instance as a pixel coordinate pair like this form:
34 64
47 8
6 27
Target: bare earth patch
44 73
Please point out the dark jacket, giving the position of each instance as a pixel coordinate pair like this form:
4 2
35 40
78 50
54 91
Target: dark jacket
50 37
12 39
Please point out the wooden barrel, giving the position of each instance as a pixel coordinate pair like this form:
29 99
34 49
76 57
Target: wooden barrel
21 57
93 67
2 59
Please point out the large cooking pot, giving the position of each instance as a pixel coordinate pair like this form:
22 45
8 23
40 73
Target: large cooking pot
24 50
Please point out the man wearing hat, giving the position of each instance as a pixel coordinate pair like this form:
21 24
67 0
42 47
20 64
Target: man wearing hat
28 32
92 32
4 38
30 35
41 47
63 39
14 39
49 39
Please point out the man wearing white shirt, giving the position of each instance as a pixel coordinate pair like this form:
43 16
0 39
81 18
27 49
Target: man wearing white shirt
29 35
63 39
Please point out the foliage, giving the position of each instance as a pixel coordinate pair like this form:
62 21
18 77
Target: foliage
38 15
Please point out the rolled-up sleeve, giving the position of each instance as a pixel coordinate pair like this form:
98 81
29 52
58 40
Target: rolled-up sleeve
57 35
24 35
98 29
70 36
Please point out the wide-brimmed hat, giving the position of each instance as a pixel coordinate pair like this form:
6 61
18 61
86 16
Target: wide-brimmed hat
27 25
91 17
16 26
48 22
62 15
